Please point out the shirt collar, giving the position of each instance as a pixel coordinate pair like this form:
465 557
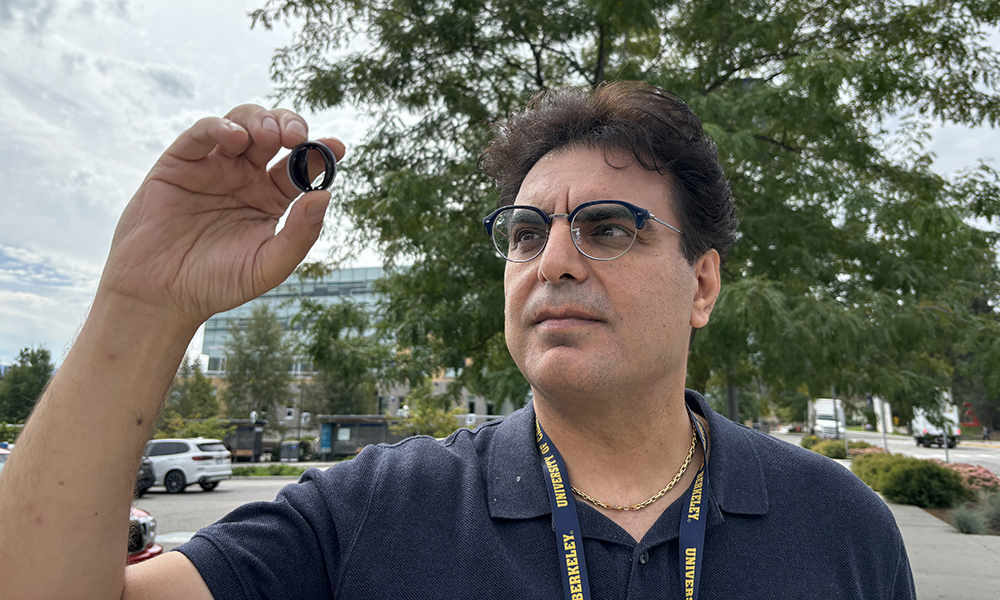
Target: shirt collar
515 486
517 489
734 468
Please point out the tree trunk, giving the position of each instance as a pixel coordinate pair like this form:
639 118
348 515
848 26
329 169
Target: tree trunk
733 403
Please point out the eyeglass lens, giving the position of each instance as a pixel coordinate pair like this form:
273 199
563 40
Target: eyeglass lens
600 231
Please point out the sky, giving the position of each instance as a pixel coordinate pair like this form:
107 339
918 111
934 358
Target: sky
92 91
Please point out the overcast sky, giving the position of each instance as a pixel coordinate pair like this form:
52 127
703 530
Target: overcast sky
92 91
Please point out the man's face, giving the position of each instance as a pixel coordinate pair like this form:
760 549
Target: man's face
580 326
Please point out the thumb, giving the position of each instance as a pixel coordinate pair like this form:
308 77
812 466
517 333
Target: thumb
286 250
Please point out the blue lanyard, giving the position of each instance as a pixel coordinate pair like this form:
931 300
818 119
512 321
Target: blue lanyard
567 524
569 542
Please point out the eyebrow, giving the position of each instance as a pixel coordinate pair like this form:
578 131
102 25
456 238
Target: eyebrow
598 213
525 216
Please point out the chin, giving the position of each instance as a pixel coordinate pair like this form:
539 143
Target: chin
561 373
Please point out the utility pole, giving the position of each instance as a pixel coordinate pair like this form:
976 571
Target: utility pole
836 423
302 397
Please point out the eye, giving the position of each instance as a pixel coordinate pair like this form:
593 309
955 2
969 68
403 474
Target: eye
611 230
526 234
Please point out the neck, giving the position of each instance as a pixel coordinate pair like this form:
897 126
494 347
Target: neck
625 458
619 453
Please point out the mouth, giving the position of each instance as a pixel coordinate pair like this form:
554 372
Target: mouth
565 317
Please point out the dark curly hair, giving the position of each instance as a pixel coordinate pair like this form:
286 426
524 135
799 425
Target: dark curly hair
654 126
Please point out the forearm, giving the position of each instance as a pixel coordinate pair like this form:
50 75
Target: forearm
67 488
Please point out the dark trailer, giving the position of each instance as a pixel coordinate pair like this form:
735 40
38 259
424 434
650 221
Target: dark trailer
345 435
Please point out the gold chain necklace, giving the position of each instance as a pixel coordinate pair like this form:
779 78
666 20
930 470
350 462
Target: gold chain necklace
657 495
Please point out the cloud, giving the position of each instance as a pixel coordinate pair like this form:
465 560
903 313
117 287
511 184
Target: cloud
172 82
42 301
91 8
32 15
18 268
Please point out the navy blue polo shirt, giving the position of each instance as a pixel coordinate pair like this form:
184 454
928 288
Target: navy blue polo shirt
469 517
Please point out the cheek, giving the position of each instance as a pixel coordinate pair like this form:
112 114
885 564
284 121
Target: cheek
512 303
667 299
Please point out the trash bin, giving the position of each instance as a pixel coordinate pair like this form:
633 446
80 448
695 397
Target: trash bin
290 451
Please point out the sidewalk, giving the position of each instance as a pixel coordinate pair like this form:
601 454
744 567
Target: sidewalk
946 563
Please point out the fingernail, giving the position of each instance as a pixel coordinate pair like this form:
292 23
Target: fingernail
270 124
297 128
317 210
235 126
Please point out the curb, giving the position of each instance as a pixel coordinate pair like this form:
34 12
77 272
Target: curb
978 444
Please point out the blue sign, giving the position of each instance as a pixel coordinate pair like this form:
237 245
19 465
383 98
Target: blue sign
326 439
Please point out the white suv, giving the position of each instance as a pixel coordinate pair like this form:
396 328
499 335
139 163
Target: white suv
179 463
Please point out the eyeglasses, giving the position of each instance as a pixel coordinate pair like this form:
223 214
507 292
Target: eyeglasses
600 230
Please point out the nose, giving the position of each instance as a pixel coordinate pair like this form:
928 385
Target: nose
560 259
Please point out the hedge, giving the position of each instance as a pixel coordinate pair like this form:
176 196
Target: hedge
830 449
275 470
914 481
808 441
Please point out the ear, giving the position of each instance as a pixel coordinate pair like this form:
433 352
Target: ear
709 283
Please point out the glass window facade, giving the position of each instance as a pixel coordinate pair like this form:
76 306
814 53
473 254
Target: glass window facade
285 301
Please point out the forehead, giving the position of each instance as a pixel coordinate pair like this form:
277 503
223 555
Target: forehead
564 178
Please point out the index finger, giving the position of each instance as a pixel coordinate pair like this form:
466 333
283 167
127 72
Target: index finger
197 142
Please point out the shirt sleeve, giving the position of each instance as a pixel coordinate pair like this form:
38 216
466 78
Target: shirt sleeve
289 548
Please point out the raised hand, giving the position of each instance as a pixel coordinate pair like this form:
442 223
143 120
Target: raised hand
198 237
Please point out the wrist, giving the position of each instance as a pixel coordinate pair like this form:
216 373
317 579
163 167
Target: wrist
122 319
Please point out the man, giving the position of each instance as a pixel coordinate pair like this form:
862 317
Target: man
614 218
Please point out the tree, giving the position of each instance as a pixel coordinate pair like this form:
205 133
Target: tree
976 377
347 352
190 397
23 383
192 393
258 359
855 261
175 426
429 414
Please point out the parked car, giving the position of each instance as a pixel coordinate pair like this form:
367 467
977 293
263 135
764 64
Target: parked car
142 536
178 463
4 453
146 478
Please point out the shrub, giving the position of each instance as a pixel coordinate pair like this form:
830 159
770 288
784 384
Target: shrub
968 520
858 445
974 477
991 511
278 470
808 441
871 468
922 483
855 452
830 449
